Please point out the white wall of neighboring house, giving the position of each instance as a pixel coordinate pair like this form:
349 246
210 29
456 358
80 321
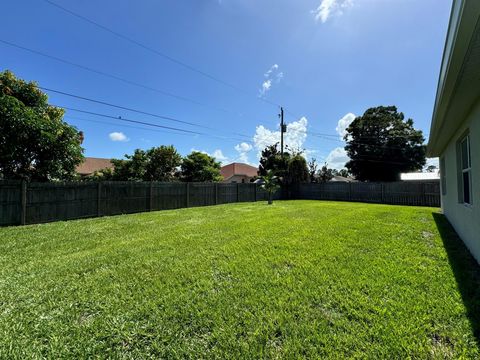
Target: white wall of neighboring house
464 218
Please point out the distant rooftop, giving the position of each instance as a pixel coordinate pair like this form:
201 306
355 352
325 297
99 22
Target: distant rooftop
420 176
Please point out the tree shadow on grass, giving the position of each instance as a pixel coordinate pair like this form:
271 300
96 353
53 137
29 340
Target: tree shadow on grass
466 270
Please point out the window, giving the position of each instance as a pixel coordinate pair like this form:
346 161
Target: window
443 176
465 174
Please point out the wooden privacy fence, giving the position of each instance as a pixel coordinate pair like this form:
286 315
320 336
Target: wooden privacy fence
32 203
415 193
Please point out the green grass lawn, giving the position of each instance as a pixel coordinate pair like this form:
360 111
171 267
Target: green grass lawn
298 279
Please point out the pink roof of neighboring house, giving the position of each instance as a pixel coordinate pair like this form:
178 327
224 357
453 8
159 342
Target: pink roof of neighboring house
230 170
90 165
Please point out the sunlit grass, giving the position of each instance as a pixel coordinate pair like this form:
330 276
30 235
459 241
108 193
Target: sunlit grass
295 279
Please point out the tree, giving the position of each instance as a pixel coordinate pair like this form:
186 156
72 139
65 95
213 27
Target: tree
162 164
431 168
312 170
133 168
156 164
35 142
200 167
270 185
297 171
272 160
325 174
381 145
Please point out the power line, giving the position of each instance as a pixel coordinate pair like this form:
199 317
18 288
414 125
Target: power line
159 53
115 77
168 118
119 118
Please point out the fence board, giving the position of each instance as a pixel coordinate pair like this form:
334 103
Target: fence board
47 202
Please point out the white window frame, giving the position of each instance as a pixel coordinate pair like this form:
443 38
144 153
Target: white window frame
467 170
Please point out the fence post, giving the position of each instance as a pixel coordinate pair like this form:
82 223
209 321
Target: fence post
216 193
23 216
424 195
150 204
255 192
187 195
99 199
238 196
383 193
349 191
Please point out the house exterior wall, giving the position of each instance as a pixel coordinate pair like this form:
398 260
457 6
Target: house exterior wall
238 179
465 219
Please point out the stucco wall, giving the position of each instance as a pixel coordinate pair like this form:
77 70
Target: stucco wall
465 219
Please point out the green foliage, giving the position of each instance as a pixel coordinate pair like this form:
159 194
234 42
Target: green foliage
297 170
156 164
35 142
272 160
200 167
270 185
163 163
301 279
325 174
381 145
312 170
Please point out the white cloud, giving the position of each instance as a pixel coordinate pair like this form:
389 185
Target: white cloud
243 149
295 137
273 74
337 158
344 123
118 136
217 154
328 8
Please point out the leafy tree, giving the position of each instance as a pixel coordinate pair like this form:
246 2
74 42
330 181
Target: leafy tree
381 145
200 167
133 168
156 164
272 160
35 142
297 170
270 184
325 174
312 170
162 163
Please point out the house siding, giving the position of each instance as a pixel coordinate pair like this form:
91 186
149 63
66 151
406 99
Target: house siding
465 219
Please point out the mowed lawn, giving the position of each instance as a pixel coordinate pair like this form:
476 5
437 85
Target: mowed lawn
298 279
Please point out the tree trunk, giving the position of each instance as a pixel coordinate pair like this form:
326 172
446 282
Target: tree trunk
270 198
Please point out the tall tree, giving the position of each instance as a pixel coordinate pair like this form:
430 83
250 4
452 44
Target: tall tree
297 170
382 144
272 160
325 174
163 163
35 142
312 170
200 167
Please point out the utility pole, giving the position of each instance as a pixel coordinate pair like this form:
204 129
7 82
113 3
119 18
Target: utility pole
283 129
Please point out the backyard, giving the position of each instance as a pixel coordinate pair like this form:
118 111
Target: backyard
291 280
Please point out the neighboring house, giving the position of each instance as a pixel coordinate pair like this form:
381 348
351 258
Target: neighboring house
338 178
238 173
419 176
90 165
455 129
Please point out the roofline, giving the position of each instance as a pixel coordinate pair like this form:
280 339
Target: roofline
450 41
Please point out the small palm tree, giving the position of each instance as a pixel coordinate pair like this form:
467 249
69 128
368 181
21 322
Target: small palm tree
270 184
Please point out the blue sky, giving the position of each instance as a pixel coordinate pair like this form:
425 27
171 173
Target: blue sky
323 60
